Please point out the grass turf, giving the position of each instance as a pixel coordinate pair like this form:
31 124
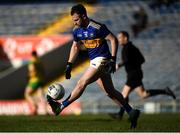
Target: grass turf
89 123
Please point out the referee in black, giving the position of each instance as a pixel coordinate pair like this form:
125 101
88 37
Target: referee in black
132 60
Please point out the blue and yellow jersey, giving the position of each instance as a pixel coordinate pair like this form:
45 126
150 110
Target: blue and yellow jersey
93 38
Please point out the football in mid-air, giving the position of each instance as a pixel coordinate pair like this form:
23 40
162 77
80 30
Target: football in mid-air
56 91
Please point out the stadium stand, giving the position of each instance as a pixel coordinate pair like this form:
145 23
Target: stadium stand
159 43
29 18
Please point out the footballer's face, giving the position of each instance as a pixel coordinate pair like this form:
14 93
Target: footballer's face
122 39
78 20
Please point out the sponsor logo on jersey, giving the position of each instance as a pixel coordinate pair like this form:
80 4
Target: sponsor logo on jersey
92 43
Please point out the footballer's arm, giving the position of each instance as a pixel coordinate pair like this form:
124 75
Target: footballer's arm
114 43
74 51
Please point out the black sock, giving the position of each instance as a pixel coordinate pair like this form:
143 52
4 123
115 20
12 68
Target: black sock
121 111
127 107
154 92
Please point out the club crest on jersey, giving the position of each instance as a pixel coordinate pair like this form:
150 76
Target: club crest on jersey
85 34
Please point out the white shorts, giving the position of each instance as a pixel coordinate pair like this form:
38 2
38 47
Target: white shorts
98 62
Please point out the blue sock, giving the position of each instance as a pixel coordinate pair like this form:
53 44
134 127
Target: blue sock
127 107
65 103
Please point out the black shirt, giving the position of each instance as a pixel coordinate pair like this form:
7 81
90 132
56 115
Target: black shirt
132 58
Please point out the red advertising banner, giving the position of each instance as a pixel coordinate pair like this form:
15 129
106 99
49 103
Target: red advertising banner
20 47
22 107
15 108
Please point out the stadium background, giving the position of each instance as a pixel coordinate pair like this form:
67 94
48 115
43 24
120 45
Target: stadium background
46 26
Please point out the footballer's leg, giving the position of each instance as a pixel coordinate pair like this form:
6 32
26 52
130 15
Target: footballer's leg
170 92
41 99
105 82
89 76
116 96
28 95
141 92
153 92
125 92
113 115
101 85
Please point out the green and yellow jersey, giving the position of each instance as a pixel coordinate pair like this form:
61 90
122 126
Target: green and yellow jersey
36 73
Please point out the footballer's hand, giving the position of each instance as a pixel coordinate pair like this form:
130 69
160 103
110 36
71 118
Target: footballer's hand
111 65
68 70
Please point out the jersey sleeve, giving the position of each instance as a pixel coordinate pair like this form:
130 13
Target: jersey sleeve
104 31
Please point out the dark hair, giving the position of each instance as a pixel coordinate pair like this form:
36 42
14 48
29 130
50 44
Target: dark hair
34 53
125 34
79 9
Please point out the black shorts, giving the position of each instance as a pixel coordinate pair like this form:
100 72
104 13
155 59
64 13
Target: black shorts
134 79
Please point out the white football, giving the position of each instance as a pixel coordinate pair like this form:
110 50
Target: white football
56 91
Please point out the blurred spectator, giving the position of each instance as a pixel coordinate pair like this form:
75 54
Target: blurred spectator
35 82
141 21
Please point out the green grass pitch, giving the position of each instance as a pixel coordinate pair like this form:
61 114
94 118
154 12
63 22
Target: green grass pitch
89 123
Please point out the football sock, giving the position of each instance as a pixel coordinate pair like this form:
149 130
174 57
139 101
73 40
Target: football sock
154 92
121 111
66 102
127 107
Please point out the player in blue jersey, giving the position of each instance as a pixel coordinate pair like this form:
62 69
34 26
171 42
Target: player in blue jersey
93 36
